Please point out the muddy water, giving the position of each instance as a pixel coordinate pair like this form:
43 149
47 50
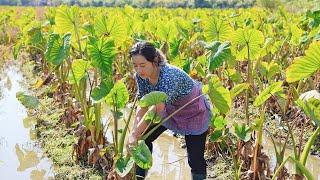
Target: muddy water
20 157
170 161
313 162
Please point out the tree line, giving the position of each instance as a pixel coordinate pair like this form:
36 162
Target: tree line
136 3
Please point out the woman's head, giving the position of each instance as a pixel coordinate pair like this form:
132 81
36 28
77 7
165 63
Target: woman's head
146 58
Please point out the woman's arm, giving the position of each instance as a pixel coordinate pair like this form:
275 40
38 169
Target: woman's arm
140 125
137 121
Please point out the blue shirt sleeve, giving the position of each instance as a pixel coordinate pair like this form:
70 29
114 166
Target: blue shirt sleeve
172 81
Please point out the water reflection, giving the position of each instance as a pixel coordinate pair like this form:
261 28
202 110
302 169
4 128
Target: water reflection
28 122
8 83
38 174
313 162
3 143
20 157
1 96
27 158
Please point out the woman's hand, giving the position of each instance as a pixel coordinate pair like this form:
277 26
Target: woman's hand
132 141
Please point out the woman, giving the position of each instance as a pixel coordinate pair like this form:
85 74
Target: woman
154 74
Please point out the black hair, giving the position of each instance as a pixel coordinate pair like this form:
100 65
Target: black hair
148 51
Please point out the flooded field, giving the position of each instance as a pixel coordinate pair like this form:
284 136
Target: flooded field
20 156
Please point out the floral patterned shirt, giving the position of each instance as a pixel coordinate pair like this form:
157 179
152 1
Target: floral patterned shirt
181 89
172 81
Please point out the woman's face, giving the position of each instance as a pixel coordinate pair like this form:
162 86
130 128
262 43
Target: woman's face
142 66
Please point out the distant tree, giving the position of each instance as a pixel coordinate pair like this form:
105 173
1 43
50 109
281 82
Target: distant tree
43 3
97 3
145 3
25 2
201 3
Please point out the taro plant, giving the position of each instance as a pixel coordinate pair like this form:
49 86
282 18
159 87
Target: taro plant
235 137
217 29
219 95
311 107
72 58
275 92
275 89
218 53
305 66
139 153
248 42
231 137
301 68
117 98
221 98
56 53
90 72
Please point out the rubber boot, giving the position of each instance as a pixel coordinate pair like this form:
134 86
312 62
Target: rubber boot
141 173
139 177
198 176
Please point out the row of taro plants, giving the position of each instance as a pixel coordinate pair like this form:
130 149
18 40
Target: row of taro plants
246 58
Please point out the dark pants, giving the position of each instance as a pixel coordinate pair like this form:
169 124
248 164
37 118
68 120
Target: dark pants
195 149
